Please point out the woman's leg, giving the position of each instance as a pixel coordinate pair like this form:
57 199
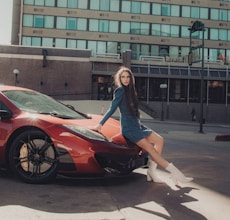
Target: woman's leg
157 140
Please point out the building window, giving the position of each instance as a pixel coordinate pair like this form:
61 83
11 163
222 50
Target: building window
175 10
81 44
49 2
26 41
194 91
114 5
104 5
93 25
47 42
62 3
178 90
156 9
214 14
94 4
125 27
204 13
71 43
61 22
60 43
39 2
185 11
81 24
29 2
36 41
72 3
49 22
126 6
113 26
165 10
145 8
82 4
27 20
38 21
104 26
216 92
135 7
71 23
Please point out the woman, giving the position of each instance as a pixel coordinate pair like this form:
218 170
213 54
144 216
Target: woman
125 98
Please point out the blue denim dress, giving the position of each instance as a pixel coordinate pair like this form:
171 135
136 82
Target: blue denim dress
131 127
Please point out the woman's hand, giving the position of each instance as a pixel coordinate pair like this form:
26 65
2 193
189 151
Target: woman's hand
96 128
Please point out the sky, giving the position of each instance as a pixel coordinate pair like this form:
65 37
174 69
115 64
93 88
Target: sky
5 21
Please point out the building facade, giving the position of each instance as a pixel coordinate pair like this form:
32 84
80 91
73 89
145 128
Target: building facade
151 37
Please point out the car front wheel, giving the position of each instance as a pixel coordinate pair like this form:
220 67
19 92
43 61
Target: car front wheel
33 158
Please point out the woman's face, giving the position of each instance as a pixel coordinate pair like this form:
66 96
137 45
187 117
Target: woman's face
125 78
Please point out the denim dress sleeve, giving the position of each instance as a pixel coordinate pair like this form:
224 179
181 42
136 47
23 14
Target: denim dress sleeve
117 98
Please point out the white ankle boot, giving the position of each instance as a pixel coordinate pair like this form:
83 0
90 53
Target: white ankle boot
151 172
177 175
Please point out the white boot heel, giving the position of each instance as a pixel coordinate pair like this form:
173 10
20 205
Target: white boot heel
151 173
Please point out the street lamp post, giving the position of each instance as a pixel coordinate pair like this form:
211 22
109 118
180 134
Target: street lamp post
16 73
162 87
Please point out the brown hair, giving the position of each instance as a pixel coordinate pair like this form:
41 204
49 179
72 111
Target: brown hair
130 91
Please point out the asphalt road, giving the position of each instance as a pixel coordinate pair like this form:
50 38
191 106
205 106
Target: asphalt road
132 197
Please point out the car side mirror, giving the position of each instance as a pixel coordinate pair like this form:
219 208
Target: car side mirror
4 115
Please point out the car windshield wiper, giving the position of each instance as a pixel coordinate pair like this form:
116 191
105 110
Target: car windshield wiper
55 114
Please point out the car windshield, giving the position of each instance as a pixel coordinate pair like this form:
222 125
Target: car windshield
36 102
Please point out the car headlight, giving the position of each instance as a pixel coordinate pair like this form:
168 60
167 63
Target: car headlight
86 132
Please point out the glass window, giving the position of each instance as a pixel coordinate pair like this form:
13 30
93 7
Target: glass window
114 5
184 51
126 6
92 45
156 9
223 15
185 32
81 44
214 34
214 14
144 29
27 20
217 91
213 54
175 10
185 11
136 7
71 43
145 8
81 24
104 26
38 21
156 30
112 47
47 42
195 12
72 3
178 90
173 51
136 52
125 27
174 31
62 3
101 47
93 25
125 46
28 2
154 50
228 35
104 5
82 4
39 2
135 28
223 34
61 43
204 13
49 2
165 30
71 23
145 49
113 26
61 22
36 41
27 41
49 22
94 4
165 10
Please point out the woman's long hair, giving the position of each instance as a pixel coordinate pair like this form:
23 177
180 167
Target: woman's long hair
130 91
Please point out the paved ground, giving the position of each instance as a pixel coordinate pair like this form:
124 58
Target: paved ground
132 197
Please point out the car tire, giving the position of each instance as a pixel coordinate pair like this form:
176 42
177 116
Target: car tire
33 157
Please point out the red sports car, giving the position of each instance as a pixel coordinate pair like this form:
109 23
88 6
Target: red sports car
40 137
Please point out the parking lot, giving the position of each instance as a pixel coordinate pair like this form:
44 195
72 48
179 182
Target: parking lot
132 197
